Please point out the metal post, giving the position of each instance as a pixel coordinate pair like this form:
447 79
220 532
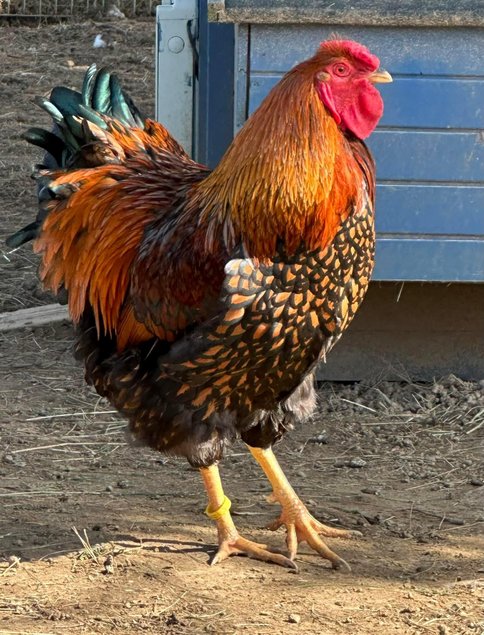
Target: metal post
176 22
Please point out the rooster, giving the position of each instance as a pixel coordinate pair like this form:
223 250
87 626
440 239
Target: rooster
203 301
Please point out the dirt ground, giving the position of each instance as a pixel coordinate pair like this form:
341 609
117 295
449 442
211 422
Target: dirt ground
97 536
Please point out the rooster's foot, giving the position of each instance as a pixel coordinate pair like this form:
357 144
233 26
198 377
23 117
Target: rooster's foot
229 541
301 526
237 545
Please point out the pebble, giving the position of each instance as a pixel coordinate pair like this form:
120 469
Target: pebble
109 565
371 490
405 534
477 482
13 459
321 438
294 618
357 462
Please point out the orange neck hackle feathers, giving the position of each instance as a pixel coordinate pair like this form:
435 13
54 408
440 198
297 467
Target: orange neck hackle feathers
289 174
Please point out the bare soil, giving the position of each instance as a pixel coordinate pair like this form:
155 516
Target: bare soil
98 536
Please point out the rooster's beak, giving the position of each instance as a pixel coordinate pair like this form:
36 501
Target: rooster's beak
380 77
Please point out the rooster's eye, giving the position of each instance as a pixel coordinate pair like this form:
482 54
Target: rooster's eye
341 70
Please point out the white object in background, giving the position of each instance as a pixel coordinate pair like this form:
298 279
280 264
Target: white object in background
175 20
115 12
99 43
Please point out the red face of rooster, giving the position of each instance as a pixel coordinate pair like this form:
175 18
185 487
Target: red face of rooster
345 85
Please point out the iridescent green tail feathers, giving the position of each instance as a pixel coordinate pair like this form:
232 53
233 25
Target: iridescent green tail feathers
101 95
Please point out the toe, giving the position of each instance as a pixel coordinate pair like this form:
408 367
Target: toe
315 542
291 541
242 546
225 550
260 552
340 565
333 532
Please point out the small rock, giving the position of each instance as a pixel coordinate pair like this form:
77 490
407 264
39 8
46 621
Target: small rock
294 618
405 534
357 462
70 63
371 490
14 459
122 484
321 438
477 482
109 488
109 565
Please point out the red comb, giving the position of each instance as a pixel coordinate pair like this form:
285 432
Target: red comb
352 49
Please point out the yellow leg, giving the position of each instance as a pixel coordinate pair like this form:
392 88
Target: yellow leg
300 525
229 540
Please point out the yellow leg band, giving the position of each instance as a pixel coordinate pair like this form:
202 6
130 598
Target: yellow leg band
221 511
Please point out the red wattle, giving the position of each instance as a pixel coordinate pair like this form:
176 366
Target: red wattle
327 98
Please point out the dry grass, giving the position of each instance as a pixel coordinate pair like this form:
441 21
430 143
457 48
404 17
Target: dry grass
74 8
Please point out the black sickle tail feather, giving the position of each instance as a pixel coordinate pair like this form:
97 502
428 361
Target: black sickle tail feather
101 94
